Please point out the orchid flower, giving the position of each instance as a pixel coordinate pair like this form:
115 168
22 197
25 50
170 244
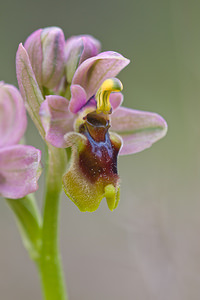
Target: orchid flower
90 121
19 164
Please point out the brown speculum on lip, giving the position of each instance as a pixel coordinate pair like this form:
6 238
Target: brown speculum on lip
98 159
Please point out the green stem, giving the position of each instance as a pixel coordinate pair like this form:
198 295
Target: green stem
50 261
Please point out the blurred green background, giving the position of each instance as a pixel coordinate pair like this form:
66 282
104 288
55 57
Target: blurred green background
149 248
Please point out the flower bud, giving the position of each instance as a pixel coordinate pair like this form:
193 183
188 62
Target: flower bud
77 49
45 48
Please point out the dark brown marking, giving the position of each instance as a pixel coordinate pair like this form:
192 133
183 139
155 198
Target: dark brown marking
99 157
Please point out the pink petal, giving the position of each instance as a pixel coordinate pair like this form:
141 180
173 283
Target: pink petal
93 71
116 100
28 87
77 49
53 43
13 120
56 119
91 47
138 129
78 98
19 171
33 47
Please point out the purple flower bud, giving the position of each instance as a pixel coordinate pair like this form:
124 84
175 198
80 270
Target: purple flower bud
45 48
77 49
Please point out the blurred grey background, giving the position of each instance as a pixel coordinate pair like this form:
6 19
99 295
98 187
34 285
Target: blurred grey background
149 248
